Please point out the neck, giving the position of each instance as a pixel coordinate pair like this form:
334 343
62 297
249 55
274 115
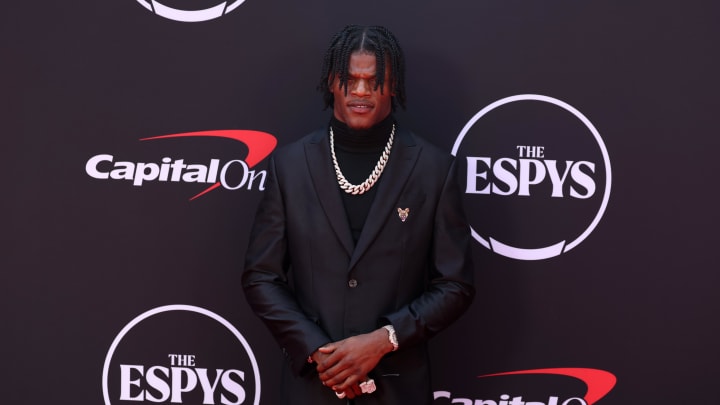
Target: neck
371 138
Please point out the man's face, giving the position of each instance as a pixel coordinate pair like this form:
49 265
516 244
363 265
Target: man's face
362 107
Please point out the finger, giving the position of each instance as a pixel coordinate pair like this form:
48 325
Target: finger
332 375
343 373
350 394
356 389
326 349
340 381
348 381
325 362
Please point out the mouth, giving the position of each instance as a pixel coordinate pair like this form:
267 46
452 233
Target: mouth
360 107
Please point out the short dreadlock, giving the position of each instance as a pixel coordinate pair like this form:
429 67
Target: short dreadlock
375 40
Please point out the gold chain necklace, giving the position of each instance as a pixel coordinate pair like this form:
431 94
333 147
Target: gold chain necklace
374 176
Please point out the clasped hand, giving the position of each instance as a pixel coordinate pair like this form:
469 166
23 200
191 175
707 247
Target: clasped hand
343 365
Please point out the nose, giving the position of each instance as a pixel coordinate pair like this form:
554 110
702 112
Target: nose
361 87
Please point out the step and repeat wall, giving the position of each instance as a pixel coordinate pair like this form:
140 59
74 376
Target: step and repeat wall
135 139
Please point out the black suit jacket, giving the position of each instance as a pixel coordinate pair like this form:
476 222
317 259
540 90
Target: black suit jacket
310 285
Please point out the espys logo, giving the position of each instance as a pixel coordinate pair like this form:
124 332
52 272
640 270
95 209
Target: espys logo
598 382
232 175
537 178
211 11
180 354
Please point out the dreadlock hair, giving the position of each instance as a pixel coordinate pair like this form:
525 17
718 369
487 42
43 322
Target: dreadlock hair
375 40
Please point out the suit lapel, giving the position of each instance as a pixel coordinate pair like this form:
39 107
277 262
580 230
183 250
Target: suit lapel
317 152
402 160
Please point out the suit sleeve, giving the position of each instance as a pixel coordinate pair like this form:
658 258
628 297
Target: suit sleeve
265 281
451 288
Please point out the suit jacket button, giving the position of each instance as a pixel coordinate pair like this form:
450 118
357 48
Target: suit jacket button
352 283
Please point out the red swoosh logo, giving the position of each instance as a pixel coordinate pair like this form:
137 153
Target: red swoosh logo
598 382
259 144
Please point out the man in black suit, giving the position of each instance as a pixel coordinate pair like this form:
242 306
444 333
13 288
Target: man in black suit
360 249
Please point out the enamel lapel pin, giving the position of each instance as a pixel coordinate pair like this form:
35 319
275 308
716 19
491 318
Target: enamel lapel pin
403 213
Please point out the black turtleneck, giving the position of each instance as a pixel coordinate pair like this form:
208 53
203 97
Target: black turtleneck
357 152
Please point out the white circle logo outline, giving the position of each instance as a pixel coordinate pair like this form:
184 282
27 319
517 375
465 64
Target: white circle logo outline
175 14
561 247
179 307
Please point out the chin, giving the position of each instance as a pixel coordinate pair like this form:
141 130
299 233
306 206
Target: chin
359 127
362 123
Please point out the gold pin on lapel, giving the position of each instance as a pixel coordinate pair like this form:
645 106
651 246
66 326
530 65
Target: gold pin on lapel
403 213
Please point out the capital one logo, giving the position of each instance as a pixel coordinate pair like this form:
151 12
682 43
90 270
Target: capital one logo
214 9
180 354
231 175
537 176
598 384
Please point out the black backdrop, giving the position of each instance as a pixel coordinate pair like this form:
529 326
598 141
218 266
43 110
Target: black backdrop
82 257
